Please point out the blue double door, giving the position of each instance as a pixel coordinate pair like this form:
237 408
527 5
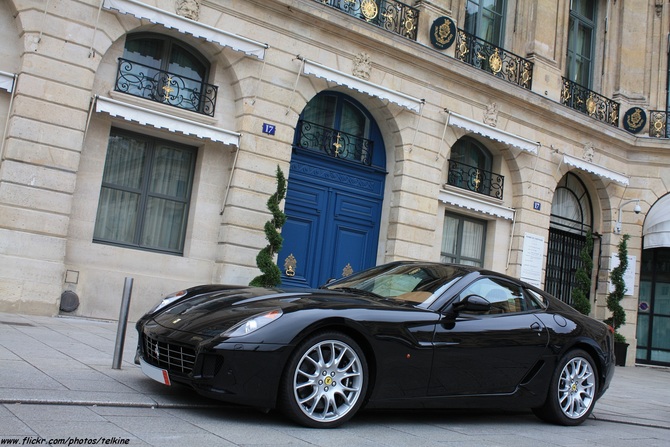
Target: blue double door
333 213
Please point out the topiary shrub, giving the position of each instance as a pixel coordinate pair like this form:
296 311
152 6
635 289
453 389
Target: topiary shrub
614 298
580 295
271 275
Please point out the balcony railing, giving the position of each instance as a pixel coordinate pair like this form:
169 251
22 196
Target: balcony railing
499 62
658 124
334 143
390 15
165 87
475 179
587 101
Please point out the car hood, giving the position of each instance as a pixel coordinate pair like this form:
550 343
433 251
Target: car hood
214 312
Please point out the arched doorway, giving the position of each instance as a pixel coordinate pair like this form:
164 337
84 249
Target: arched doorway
653 315
571 219
335 192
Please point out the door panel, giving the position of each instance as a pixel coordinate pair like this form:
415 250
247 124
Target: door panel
486 354
333 212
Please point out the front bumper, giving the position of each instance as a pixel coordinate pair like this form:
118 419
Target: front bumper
241 373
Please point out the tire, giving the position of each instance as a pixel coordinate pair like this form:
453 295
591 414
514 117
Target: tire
572 391
325 381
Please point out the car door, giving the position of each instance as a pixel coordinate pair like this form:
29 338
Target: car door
488 352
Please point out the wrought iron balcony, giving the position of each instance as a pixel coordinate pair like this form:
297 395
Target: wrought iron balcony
334 143
475 179
587 101
390 15
499 62
165 87
658 124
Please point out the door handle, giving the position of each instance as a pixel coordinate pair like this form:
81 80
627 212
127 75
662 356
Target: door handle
536 327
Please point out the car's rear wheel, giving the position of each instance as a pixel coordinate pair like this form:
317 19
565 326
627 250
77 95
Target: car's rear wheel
325 381
572 393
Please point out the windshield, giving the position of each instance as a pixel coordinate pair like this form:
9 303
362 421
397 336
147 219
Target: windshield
420 284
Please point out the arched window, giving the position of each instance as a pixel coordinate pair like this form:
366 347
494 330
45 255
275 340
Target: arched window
571 208
165 70
337 126
470 168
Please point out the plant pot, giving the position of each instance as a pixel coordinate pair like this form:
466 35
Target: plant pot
620 351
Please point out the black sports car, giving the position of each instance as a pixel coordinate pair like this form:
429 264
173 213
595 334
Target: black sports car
400 335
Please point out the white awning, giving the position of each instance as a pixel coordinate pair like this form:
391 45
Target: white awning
367 87
159 120
474 204
187 26
593 168
656 228
6 81
493 133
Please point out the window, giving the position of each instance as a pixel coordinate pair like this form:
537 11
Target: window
463 240
504 297
165 70
470 168
486 19
337 126
581 42
145 193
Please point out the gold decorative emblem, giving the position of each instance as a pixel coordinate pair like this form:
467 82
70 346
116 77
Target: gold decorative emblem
347 270
369 9
337 145
167 89
658 124
463 45
635 120
495 62
443 33
289 265
591 105
410 23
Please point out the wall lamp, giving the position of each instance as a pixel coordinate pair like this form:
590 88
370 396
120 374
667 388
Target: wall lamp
637 209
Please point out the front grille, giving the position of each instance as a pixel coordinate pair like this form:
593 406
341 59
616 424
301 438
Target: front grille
174 358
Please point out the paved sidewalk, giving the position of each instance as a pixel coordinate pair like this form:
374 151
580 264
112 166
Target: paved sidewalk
68 361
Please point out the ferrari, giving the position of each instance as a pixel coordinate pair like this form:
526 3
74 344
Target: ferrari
402 335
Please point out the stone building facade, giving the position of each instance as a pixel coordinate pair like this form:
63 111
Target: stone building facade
141 139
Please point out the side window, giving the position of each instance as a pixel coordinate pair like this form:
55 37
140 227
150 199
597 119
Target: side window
535 300
504 297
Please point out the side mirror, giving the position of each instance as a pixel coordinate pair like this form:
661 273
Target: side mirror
472 303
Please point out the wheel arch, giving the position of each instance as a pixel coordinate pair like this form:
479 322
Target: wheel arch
347 327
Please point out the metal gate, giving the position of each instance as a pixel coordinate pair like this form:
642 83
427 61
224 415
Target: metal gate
563 260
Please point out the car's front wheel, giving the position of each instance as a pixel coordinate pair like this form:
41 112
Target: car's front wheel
325 381
572 392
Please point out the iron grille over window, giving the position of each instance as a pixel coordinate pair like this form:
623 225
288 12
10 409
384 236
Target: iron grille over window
475 179
165 87
334 143
165 70
390 15
587 101
488 57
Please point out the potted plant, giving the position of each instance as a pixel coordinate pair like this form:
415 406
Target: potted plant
580 294
271 275
614 298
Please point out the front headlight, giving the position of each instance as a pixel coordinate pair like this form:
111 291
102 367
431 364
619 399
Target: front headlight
166 301
254 323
